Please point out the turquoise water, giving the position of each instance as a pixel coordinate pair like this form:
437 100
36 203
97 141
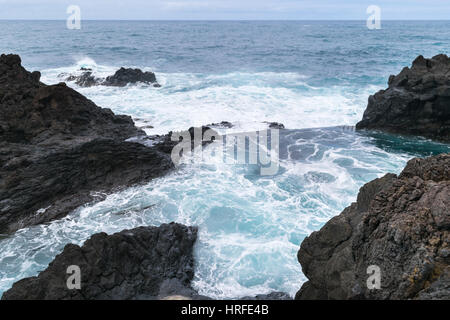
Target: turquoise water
311 76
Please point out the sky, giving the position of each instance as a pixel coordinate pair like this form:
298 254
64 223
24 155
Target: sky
226 9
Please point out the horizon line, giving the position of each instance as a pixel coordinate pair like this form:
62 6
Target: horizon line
213 20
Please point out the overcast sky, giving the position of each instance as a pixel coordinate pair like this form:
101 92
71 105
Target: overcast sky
226 9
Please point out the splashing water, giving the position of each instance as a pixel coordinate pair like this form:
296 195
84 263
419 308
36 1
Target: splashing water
304 75
250 226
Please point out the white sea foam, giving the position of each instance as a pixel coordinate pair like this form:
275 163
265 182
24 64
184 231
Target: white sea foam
246 99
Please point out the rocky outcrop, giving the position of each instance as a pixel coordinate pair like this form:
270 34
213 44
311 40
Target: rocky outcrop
417 101
270 296
56 147
145 263
121 78
86 79
221 125
275 125
400 224
142 263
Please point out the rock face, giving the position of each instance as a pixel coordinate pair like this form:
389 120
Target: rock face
400 224
417 101
86 79
142 263
121 78
56 146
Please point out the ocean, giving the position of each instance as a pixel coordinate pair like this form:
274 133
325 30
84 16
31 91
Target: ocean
312 76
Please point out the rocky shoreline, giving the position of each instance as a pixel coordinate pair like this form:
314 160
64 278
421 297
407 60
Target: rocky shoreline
142 263
145 263
58 150
399 224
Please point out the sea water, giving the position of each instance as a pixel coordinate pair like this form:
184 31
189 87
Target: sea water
312 76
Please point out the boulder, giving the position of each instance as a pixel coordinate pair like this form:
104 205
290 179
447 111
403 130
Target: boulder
417 101
399 224
142 263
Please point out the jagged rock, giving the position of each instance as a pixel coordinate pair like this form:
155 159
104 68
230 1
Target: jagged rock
124 76
56 146
222 125
400 224
121 78
142 263
417 101
275 125
86 79
145 263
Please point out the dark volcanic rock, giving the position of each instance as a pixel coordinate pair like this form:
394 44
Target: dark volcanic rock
145 263
124 76
275 125
400 224
271 296
56 146
121 78
142 263
417 101
222 125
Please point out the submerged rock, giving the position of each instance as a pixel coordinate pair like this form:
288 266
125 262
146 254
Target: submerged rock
56 147
417 101
142 263
400 225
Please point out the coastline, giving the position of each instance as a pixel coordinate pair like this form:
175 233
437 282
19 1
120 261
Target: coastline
132 151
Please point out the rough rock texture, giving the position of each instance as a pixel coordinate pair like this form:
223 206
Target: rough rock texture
142 263
275 125
417 101
121 78
124 76
401 224
56 146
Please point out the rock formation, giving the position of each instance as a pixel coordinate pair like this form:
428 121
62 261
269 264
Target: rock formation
56 147
400 224
121 78
124 76
417 101
142 263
